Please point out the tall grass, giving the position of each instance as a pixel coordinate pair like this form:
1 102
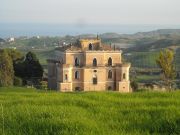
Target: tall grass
2 112
27 111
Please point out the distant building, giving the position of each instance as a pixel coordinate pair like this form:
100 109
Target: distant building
88 66
12 39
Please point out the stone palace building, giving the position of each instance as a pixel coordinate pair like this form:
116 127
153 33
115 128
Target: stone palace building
88 65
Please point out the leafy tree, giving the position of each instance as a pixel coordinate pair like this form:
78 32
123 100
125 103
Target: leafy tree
166 62
14 54
43 85
13 65
134 85
17 81
29 69
6 69
32 66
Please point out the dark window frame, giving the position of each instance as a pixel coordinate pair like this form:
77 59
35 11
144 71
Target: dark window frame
90 46
110 61
94 62
124 75
95 81
76 76
110 74
77 62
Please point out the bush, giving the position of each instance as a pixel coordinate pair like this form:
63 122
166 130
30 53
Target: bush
18 81
134 85
43 85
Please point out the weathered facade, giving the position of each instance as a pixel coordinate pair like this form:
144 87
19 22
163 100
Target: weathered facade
88 66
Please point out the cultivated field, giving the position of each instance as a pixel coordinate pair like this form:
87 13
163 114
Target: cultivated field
31 112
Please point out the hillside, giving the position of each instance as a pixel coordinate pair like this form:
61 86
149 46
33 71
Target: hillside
158 38
142 45
32 112
142 59
155 45
160 32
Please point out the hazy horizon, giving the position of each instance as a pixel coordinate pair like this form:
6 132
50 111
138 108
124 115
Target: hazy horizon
39 29
73 17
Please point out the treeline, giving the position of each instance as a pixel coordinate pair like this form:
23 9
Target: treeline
18 69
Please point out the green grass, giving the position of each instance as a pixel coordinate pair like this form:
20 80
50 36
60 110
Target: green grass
32 112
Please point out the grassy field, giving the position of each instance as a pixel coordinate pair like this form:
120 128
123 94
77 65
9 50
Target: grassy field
31 112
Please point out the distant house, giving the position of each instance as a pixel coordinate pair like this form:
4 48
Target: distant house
12 39
88 66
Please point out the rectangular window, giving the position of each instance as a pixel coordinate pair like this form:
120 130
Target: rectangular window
124 76
94 81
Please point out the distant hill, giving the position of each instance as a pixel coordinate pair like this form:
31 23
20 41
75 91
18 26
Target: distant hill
157 33
110 35
155 45
145 41
141 41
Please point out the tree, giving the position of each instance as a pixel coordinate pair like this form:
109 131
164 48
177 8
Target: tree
6 69
14 54
166 62
29 69
134 85
32 66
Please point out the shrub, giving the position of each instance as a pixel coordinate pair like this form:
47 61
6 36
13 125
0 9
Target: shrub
134 85
18 81
43 85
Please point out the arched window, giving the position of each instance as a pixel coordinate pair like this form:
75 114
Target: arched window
94 79
94 62
76 75
109 74
109 62
124 76
77 63
90 46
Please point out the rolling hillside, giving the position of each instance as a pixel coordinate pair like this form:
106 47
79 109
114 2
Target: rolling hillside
142 59
155 45
142 46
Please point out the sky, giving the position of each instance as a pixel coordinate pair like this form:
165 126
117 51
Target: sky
82 12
